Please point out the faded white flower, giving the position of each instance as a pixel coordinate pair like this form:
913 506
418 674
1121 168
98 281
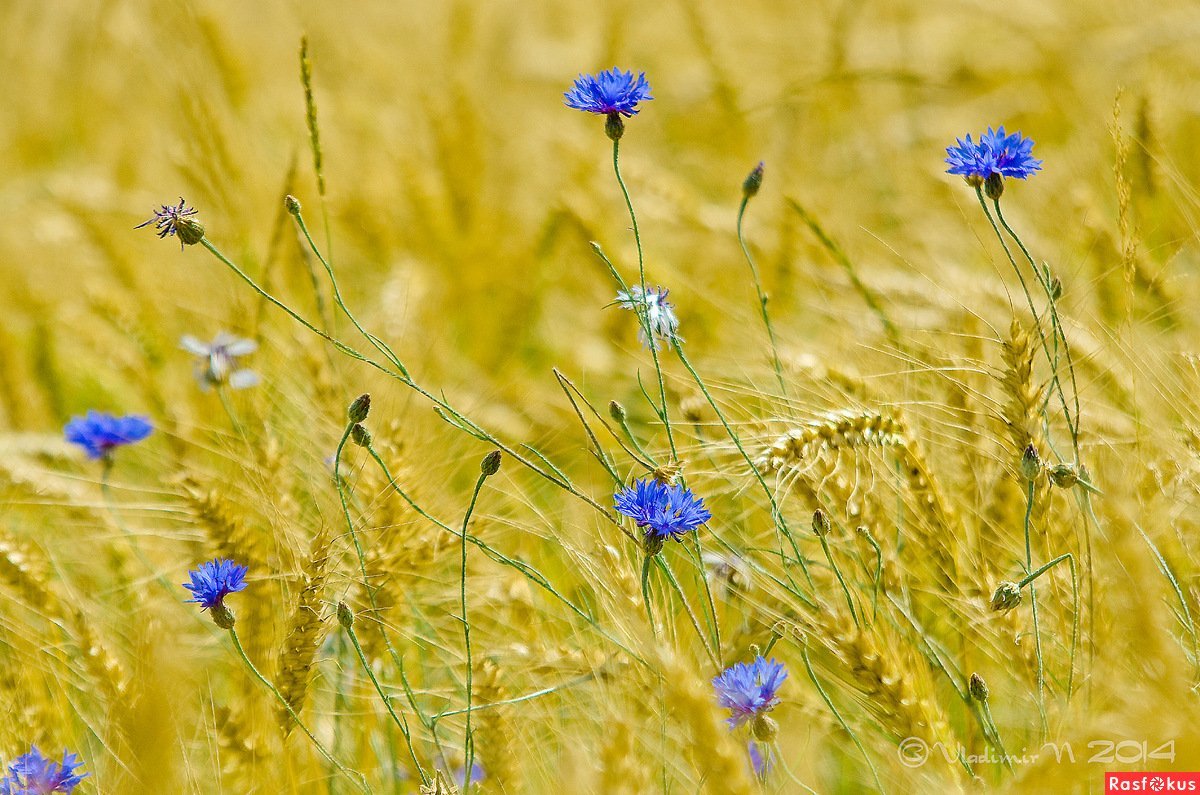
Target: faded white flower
726 571
217 361
660 314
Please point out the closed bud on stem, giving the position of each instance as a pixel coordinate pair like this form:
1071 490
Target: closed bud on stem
616 411
1056 288
1031 463
345 615
820 523
292 204
1064 475
614 126
978 688
753 182
359 409
993 186
764 729
1006 597
360 435
490 464
222 616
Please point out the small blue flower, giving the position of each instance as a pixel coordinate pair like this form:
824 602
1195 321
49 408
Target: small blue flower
609 92
660 314
748 690
994 153
34 774
215 580
663 511
99 433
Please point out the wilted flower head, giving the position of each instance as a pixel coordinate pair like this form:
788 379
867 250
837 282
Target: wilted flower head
99 433
217 361
748 690
213 581
994 153
1006 597
609 92
663 511
34 774
660 314
177 221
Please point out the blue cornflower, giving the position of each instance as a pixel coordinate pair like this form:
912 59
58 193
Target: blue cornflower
748 690
34 774
994 153
609 92
99 433
663 511
660 314
215 580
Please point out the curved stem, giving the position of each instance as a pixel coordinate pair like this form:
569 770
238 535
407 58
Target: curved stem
762 298
1037 635
353 775
468 739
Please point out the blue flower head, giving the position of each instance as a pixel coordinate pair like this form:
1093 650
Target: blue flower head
34 774
748 690
663 511
609 92
99 433
994 153
215 580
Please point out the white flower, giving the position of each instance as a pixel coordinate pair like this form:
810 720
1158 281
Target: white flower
659 313
216 362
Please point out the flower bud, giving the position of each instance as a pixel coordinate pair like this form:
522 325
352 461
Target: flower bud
753 182
1006 597
359 409
614 126
820 523
993 186
978 688
616 411
490 464
764 729
292 204
1064 475
1031 463
345 615
1056 288
360 435
222 616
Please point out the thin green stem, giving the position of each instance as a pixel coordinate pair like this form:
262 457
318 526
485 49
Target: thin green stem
353 775
838 716
468 739
838 573
994 731
776 513
642 313
400 722
1037 635
647 560
687 608
762 297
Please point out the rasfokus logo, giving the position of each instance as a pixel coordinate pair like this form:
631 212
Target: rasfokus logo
1151 782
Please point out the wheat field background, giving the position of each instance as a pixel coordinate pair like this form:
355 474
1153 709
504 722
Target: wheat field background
459 207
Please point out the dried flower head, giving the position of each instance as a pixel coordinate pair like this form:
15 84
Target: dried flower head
1006 597
34 774
748 690
663 511
217 361
659 313
995 153
177 221
100 433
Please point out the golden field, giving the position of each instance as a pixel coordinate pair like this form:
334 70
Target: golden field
458 201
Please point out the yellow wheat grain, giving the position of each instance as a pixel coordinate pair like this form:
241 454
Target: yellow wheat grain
306 631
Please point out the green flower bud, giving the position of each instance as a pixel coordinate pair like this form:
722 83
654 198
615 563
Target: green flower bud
359 409
490 464
1006 597
345 615
360 435
1064 475
820 523
753 182
1031 463
616 411
977 688
292 204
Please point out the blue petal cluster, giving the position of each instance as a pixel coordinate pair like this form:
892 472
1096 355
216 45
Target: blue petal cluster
34 774
99 433
748 690
664 511
994 153
215 580
608 92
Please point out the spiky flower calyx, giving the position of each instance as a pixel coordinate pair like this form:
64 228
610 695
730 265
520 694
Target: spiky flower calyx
177 221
